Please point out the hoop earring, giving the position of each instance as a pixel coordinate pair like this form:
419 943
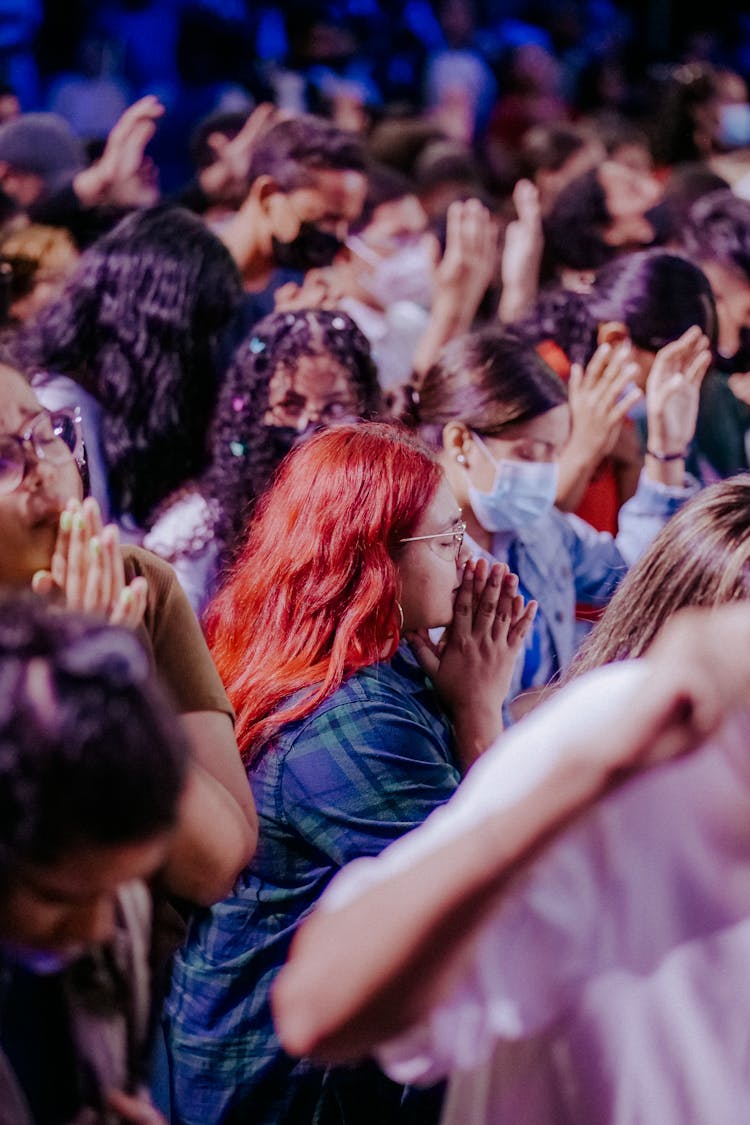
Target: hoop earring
401 617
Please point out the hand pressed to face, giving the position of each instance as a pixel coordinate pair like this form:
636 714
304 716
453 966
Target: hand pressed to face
87 567
29 514
472 667
430 568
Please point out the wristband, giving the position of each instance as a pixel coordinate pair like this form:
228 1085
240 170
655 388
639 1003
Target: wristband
664 457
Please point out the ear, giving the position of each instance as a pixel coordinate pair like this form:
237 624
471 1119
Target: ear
612 332
456 442
264 190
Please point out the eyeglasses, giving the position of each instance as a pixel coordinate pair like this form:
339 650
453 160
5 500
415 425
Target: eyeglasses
53 437
452 538
293 411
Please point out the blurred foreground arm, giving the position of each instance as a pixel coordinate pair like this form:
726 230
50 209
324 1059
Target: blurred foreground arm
363 969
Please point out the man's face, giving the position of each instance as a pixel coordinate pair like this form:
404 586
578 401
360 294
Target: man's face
331 202
309 224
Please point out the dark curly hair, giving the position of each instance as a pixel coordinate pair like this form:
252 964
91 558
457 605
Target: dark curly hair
90 753
245 451
136 327
656 295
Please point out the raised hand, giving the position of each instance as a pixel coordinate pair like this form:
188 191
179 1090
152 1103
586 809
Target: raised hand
522 254
672 398
472 666
599 399
227 175
468 264
114 179
461 278
87 568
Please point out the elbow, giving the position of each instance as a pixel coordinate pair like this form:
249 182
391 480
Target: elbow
215 876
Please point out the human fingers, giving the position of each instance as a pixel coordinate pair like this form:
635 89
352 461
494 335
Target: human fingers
425 652
147 108
526 201
260 120
133 1109
91 597
113 575
521 627
505 604
76 564
487 591
59 563
42 583
697 368
130 606
463 610
575 381
627 399
92 516
597 365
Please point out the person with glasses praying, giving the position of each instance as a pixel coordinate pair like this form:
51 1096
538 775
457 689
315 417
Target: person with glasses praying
52 540
348 740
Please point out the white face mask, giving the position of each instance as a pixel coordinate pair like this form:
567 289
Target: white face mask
522 492
405 275
734 125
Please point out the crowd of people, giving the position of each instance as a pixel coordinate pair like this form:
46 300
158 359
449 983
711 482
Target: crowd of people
374 545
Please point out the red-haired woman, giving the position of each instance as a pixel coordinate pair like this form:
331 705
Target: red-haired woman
347 743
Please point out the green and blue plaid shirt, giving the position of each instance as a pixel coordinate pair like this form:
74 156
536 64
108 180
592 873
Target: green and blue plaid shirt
371 763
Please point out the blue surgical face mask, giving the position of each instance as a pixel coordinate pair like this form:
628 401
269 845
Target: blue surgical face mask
522 492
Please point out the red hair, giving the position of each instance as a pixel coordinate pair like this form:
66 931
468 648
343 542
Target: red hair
313 595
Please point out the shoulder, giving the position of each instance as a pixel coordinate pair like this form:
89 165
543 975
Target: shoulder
139 562
387 711
185 526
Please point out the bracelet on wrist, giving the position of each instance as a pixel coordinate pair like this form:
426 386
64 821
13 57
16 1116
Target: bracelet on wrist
665 457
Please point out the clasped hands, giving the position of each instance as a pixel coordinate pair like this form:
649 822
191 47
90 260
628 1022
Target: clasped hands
87 568
472 665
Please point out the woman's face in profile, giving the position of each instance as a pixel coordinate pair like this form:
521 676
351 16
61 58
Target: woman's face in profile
30 513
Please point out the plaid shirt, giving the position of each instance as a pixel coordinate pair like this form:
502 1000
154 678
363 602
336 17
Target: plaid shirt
371 763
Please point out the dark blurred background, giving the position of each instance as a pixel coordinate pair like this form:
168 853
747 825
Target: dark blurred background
87 59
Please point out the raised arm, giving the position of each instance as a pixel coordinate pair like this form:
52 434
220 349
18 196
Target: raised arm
461 278
364 968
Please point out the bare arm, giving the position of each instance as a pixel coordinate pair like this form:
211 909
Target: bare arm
218 826
362 973
522 254
461 279
109 179
212 843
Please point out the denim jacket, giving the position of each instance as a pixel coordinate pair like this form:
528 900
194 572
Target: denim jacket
561 560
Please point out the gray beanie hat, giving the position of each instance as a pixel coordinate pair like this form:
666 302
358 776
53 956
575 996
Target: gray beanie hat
44 144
